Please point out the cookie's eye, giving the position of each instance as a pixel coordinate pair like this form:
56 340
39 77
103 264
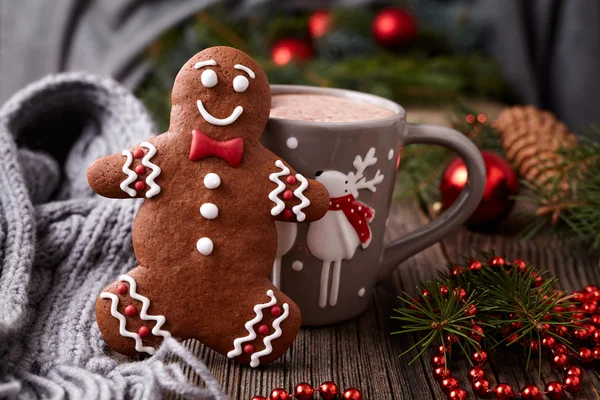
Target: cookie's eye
209 78
240 83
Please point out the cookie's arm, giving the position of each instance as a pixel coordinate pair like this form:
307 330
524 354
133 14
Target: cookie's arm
294 198
131 173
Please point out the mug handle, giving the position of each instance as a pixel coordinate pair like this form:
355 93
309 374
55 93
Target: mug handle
466 203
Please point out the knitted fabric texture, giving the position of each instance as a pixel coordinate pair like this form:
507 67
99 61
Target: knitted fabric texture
60 244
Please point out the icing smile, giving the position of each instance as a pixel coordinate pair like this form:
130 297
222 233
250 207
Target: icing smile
219 121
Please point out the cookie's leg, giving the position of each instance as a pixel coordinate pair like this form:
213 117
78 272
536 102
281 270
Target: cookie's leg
270 328
127 319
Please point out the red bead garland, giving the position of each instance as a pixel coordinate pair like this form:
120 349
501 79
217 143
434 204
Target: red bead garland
572 383
328 390
503 391
531 392
279 394
303 391
554 390
352 394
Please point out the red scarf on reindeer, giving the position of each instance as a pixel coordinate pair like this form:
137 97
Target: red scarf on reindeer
358 214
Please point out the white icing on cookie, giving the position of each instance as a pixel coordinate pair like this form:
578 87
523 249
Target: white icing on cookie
292 143
245 69
268 339
300 216
212 180
154 188
205 246
131 175
297 266
219 121
274 195
237 343
209 78
201 64
209 211
240 84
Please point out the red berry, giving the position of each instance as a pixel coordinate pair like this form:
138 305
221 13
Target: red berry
457 394
576 371
586 355
352 394
479 357
503 391
449 383
476 374
279 394
572 383
481 387
456 271
471 310
531 392
143 331
303 391
475 266
328 390
477 333
554 390
438 361
497 261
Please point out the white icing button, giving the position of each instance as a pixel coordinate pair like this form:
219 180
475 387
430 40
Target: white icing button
209 211
297 266
212 181
361 292
205 246
292 143
391 154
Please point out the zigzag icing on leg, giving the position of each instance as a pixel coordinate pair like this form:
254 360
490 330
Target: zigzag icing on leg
237 343
274 195
131 175
154 188
122 322
160 320
268 339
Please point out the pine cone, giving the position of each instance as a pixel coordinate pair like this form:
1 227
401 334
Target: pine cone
531 138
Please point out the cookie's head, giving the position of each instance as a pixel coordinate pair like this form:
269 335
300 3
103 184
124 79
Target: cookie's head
222 92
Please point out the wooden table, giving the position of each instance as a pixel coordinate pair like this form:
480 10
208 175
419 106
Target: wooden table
362 353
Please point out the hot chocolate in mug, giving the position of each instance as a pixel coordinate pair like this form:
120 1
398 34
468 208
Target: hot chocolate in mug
351 143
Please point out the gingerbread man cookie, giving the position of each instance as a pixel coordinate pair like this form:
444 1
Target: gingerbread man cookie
205 236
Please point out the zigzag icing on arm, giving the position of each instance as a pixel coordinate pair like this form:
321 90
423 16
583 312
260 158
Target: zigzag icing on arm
160 320
122 322
274 195
268 339
131 175
237 343
299 193
154 188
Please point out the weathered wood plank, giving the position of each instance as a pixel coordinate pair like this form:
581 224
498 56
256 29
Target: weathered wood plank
363 353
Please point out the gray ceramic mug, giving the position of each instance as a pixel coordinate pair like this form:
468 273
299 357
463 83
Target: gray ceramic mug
330 267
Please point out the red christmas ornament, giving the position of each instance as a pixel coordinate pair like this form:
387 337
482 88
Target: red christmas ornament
581 333
534 345
441 349
457 394
475 266
303 391
572 383
290 49
589 307
471 311
477 333
479 357
476 374
554 390
560 361
591 288
586 355
456 271
481 387
531 392
596 352
394 28
449 383
595 319
502 183
548 342
575 371
328 390
497 261
319 23
352 394
521 265
503 391
441 373
560 348
279 394
438 360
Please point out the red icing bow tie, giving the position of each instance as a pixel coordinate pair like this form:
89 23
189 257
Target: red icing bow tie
202 146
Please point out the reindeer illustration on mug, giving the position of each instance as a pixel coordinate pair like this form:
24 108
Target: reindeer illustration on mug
345 226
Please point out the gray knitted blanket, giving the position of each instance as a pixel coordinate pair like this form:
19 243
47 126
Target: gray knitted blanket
60 245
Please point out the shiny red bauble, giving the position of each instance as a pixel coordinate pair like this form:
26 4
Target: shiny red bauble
279 394
291 49
503 391
560 361
477 333
303 391
481 387
572 383
531 392
575 371
259 398
586 355
475 266
352 394
502 183
555 391
457 394
441 373
479 357
449 383
438 361
497 261
328 390
319 23
548 342
394 28
476 374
